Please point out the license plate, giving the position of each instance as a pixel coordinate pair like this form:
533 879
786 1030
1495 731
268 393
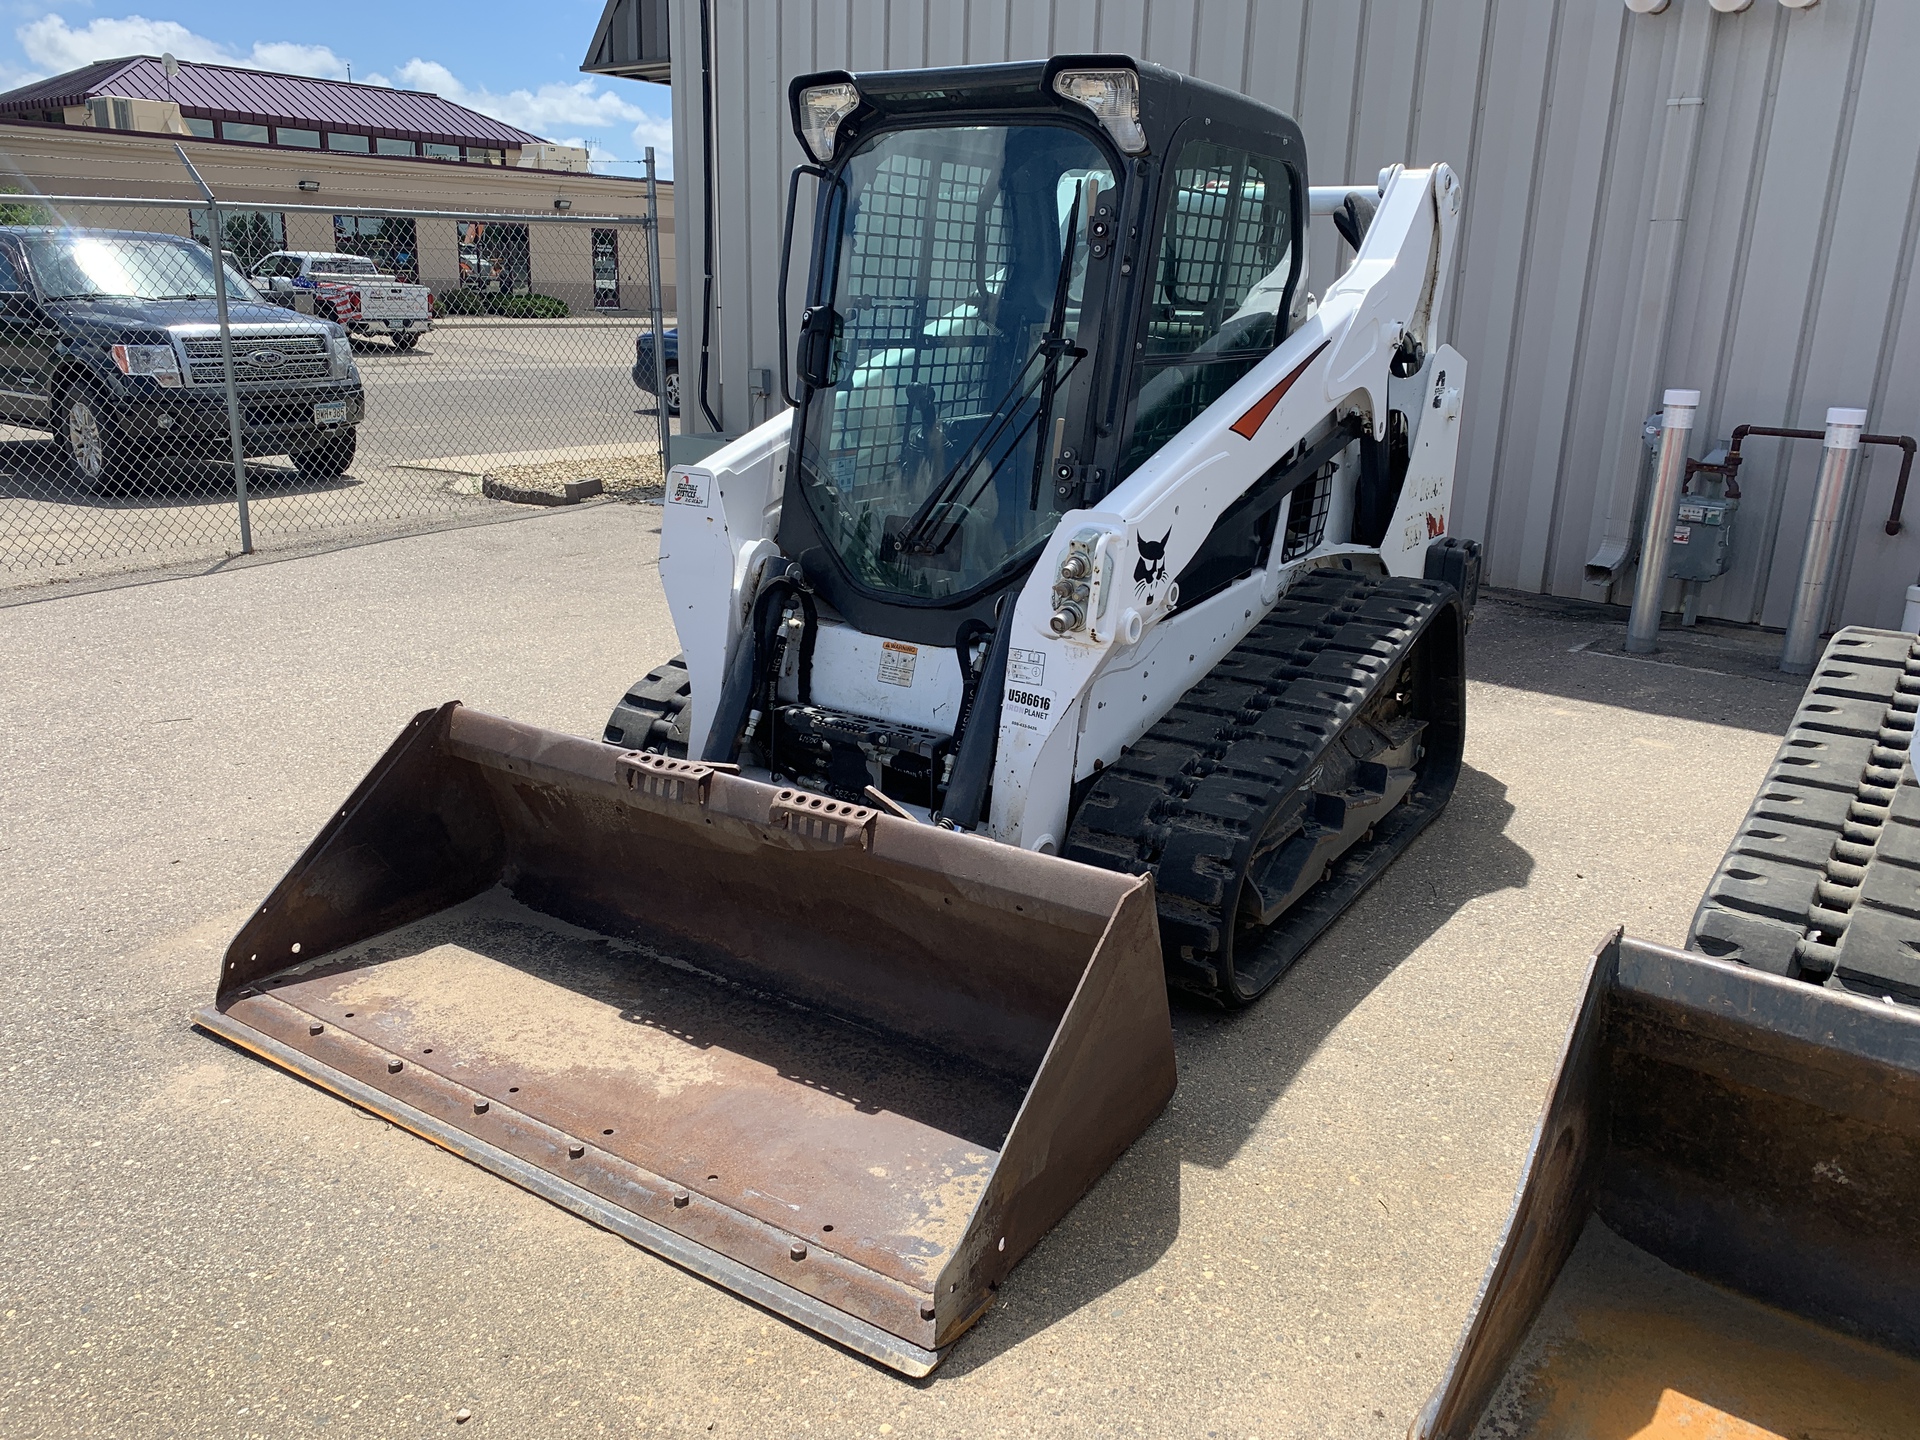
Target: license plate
330 412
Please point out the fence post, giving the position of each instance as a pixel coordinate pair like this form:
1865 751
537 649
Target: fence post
659 318
216 232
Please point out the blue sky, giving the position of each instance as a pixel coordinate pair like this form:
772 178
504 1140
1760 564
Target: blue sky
520 62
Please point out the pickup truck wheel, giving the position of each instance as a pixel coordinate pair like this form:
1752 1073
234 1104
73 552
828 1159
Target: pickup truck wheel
405 340
673 387
94 451
328 460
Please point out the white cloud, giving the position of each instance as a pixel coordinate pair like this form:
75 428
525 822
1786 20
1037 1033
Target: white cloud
51 43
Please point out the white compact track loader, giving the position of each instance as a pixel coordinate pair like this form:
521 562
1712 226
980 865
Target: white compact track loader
1089 621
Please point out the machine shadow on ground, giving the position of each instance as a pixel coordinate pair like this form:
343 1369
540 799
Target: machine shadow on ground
1235 1066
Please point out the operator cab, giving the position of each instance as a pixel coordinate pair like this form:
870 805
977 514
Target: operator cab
1024 280
989 339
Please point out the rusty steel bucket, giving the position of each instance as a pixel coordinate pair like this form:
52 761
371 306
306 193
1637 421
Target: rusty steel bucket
848 1066
1718 1232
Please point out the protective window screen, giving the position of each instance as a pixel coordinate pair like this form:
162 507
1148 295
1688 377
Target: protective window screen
930 245
1222 271
960 257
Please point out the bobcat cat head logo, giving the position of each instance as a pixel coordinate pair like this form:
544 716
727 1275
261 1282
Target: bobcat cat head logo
1151 568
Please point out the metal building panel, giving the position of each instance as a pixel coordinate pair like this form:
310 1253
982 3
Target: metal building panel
1773 321
1500 191
1789 280
1553 302
1855 323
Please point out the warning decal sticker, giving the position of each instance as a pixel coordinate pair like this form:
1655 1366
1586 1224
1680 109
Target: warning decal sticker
1027 667
897 660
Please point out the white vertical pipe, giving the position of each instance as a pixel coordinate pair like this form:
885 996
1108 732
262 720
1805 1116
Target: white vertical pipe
1810 595
1676 427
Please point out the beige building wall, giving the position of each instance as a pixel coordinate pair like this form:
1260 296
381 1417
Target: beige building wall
51 160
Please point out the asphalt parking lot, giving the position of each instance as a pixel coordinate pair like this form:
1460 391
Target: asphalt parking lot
471 387
199 1245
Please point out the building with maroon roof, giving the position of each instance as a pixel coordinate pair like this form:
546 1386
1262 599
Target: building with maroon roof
293 160
258 107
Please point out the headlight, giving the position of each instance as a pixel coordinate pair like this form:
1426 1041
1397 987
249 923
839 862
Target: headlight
1114 97
157 363
821 109
343 366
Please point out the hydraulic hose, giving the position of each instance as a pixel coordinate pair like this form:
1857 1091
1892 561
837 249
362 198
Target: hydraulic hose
746 670
973 766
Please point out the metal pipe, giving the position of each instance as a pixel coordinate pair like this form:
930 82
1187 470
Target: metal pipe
1810 595
216 234
1676 426
659 320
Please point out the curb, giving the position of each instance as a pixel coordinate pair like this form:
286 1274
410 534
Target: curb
572 494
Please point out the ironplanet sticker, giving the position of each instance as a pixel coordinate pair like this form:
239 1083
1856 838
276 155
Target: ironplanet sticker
1028 709
688 488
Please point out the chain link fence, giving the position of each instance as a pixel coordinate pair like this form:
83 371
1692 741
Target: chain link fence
356 375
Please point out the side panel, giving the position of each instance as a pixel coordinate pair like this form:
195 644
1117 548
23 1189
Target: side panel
1425 509
715 532
1337 360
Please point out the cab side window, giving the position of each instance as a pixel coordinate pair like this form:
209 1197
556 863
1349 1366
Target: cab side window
9 273
1223 275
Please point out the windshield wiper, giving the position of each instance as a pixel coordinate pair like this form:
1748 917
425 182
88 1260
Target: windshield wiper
943 503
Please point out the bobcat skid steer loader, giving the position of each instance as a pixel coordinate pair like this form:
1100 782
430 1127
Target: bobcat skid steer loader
1089 621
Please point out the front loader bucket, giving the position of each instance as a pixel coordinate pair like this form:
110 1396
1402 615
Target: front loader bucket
1718 1233
846 1065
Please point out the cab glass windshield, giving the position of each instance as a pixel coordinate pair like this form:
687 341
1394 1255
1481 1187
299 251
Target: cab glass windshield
80 267
957 275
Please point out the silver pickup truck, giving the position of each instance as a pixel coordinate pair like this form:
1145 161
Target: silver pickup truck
349 289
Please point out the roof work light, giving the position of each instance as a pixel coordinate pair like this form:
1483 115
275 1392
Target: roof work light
1114 98
820 110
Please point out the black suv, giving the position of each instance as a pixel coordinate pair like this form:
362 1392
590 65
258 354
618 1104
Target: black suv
110 339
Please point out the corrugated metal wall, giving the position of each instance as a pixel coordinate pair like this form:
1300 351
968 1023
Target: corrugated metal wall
1721 202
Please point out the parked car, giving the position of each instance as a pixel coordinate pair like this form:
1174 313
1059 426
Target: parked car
110 340
643 365
350 289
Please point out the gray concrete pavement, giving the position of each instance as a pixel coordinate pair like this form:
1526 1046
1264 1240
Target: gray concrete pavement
198 1245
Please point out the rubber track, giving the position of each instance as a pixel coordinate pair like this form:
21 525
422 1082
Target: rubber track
1822 880
653 714
1189 798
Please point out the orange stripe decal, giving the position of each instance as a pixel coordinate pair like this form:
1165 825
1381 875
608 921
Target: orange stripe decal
1248 425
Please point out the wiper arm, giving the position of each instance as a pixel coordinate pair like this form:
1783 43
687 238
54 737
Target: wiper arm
911 534
1056 329
1052 346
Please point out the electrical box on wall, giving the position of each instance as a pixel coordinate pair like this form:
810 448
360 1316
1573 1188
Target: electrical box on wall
1702 538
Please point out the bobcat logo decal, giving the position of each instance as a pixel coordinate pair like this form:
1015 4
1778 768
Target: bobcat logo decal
1151 568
